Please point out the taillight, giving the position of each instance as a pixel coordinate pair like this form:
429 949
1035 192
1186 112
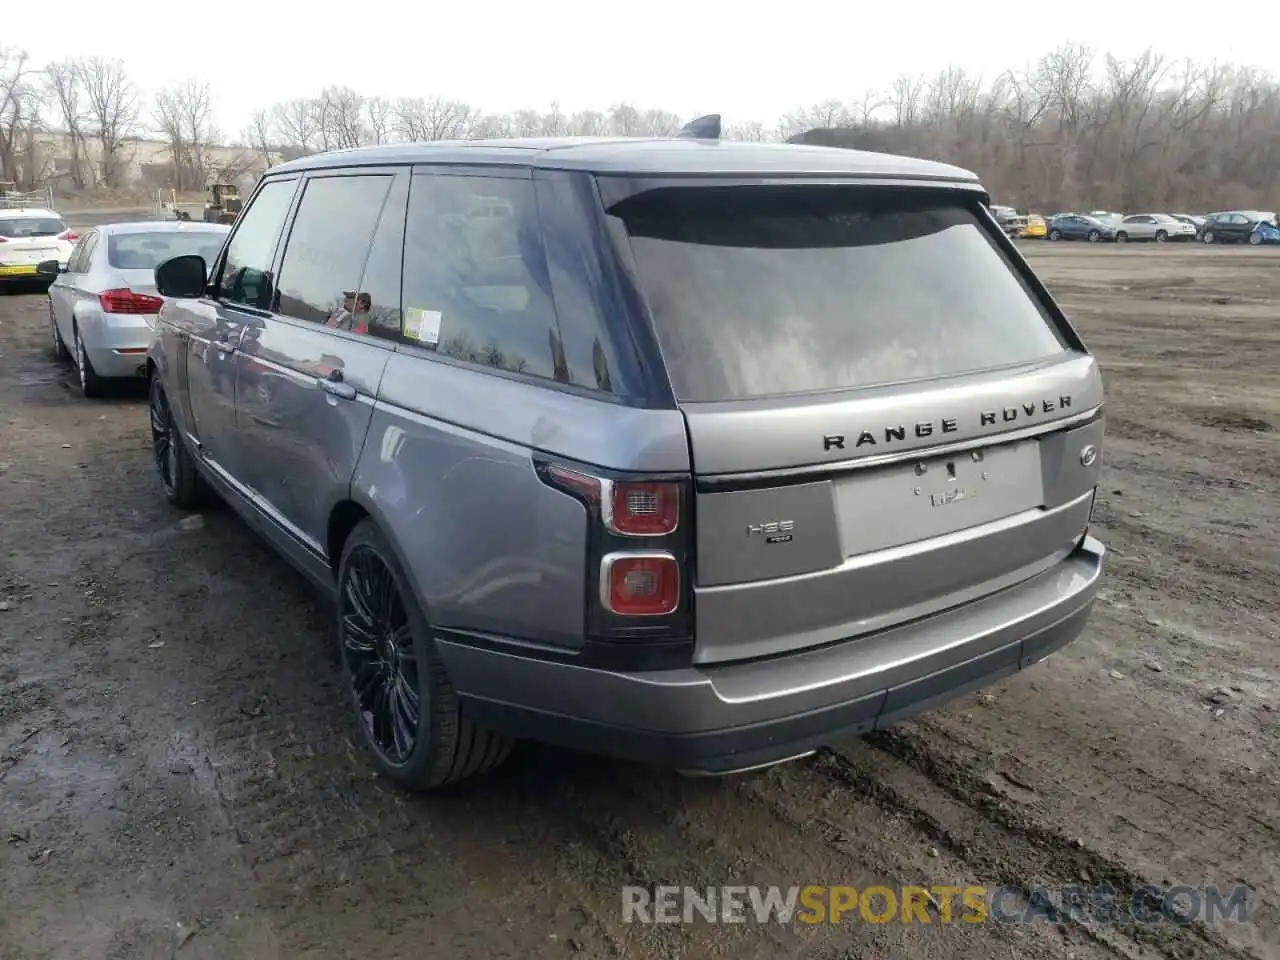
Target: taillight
640 584
638 560
68 235
642 509
128 302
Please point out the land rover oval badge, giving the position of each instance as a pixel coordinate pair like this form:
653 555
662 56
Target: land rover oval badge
1088 454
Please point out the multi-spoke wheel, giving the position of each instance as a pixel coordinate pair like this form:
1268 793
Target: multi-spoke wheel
406 707
181 481
60 351
90 383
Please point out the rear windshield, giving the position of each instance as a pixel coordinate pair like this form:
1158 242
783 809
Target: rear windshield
147 250
759 291
15 228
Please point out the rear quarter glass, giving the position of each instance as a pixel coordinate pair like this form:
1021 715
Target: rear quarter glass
779 290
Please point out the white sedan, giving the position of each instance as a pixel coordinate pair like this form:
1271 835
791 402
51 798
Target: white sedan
103 304
29 235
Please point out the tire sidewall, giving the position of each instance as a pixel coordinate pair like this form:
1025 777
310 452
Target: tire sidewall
1055 235
425 757
1094 236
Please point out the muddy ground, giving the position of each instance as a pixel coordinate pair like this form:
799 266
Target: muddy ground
178 775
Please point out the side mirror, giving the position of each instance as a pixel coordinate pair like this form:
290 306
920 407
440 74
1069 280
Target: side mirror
186 276
49 269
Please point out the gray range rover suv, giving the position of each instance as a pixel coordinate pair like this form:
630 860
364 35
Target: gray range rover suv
696 453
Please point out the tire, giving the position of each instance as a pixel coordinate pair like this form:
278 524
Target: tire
1208 236
1094 236
179 478
386 648
1255 239
92 386
59 346
1122 237
1055 235
1161 236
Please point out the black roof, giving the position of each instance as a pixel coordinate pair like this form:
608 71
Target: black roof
643 157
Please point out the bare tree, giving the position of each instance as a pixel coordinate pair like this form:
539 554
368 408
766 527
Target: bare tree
433 118
260 136
339 118
379 120
66 93
114 107
297 123
20 101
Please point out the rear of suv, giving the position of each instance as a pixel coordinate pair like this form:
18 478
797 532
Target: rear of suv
694 453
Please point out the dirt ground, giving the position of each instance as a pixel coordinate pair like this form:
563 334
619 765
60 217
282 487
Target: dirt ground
178 775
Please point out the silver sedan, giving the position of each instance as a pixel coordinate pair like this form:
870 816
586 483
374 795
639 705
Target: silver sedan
103 303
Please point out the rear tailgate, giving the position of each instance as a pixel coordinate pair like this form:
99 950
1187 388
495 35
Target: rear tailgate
884 419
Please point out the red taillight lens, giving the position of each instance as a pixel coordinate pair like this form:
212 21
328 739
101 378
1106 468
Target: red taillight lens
640 584
68 235
128 302
643 509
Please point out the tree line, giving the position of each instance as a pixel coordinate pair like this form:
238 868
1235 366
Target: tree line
1079 129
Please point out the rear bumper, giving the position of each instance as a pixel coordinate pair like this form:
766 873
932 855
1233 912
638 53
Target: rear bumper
735 716
117 345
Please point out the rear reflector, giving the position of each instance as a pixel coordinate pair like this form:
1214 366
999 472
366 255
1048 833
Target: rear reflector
640 584
642 509
129 303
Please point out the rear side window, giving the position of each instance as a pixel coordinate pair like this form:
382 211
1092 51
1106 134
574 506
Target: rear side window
476 286
761 291
17 228
327 250
146 250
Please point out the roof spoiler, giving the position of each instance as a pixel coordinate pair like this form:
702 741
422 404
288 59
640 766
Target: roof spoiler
704 128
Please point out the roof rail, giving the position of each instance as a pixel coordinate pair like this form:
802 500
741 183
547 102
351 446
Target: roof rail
703 128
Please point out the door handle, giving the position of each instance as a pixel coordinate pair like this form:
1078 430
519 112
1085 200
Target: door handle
224 347
336 388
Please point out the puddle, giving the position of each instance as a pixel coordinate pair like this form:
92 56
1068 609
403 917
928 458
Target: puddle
38 379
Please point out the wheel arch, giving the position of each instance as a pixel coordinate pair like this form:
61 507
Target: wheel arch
343 519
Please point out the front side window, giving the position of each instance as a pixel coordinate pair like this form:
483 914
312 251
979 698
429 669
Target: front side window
476 285
246 270
774 290
328 246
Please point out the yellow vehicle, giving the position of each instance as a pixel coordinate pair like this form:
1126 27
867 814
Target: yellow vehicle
1035 228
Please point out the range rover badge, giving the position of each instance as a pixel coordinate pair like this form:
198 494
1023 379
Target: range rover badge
1088 454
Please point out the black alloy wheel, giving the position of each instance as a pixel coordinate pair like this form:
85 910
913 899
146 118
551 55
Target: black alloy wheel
378 648
407 709
182 484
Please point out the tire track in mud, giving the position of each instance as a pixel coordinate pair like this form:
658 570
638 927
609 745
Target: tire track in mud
1044 856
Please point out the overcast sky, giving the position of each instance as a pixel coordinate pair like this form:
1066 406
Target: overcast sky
752 60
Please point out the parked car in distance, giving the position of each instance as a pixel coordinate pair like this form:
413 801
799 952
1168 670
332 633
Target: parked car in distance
1265 231
103 302
29 235
1009 219
1157 227
666 454
1035 228
1235 226
1077 226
